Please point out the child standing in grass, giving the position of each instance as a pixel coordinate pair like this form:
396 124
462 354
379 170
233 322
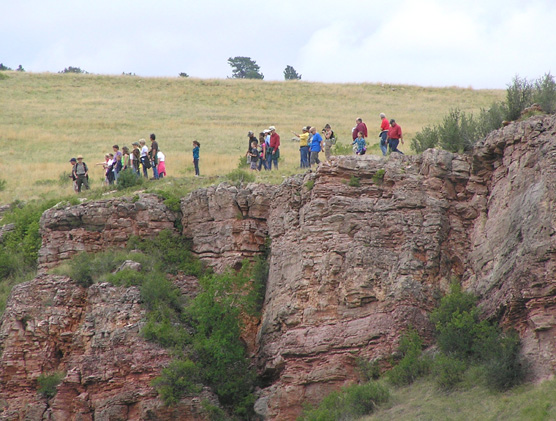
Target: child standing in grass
253 155
196 147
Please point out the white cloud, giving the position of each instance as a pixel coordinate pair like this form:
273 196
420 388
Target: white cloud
426 42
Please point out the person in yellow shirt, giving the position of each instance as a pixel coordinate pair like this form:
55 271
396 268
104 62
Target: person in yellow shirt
304 147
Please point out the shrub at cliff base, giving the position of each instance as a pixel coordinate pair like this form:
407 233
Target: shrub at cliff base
413 363
462 336
348 403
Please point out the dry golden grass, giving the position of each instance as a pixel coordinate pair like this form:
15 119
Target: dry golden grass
48 118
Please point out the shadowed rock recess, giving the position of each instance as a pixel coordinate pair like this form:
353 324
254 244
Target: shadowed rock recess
359 251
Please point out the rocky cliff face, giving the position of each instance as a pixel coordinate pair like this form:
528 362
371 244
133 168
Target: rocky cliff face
360 250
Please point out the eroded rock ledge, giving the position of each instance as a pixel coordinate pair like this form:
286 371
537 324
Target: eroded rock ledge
351 267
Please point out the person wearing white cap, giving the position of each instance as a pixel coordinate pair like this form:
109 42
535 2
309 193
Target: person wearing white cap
274 147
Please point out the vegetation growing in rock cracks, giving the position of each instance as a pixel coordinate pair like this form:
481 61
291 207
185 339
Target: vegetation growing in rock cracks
47 383
19 247
203 332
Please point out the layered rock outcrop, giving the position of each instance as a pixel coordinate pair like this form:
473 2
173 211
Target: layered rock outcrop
359 251
91 336
98 225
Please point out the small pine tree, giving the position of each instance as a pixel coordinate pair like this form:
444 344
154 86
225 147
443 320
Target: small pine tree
291 74
20 68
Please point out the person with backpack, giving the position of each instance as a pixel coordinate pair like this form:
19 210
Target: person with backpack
136 158
145 161
81 174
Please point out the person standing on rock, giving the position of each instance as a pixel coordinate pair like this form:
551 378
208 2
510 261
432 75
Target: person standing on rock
394 136
274 147
329 141
81 173
360 127
384 127
316 146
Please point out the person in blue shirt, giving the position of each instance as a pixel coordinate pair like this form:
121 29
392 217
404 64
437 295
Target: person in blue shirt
316 146
361 144
196 147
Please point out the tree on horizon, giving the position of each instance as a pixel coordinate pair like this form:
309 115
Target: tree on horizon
291 74
245 68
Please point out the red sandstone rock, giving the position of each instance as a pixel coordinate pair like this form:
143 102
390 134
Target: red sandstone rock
92 335
95 226
351 268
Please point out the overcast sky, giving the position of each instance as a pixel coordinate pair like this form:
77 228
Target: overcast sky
467 43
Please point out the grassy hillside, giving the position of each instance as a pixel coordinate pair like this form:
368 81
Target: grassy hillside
48 118
422 401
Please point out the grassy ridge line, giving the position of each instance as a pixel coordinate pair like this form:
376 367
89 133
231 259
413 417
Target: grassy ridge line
47 118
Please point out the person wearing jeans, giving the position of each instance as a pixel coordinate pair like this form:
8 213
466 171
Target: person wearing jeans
384 126
394 136
274 147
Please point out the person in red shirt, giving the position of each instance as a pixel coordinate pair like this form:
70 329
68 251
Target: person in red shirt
274 147
361 127
384 126
394 136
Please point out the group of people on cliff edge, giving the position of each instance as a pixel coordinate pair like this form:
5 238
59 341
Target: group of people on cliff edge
390 136
140 159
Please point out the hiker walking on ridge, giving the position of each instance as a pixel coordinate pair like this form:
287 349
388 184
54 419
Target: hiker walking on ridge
383 135
394 136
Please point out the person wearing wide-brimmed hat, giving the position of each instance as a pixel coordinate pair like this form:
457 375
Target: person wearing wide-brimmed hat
81 173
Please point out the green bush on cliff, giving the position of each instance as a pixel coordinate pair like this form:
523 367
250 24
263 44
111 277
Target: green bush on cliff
47 383
214 319
19 248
